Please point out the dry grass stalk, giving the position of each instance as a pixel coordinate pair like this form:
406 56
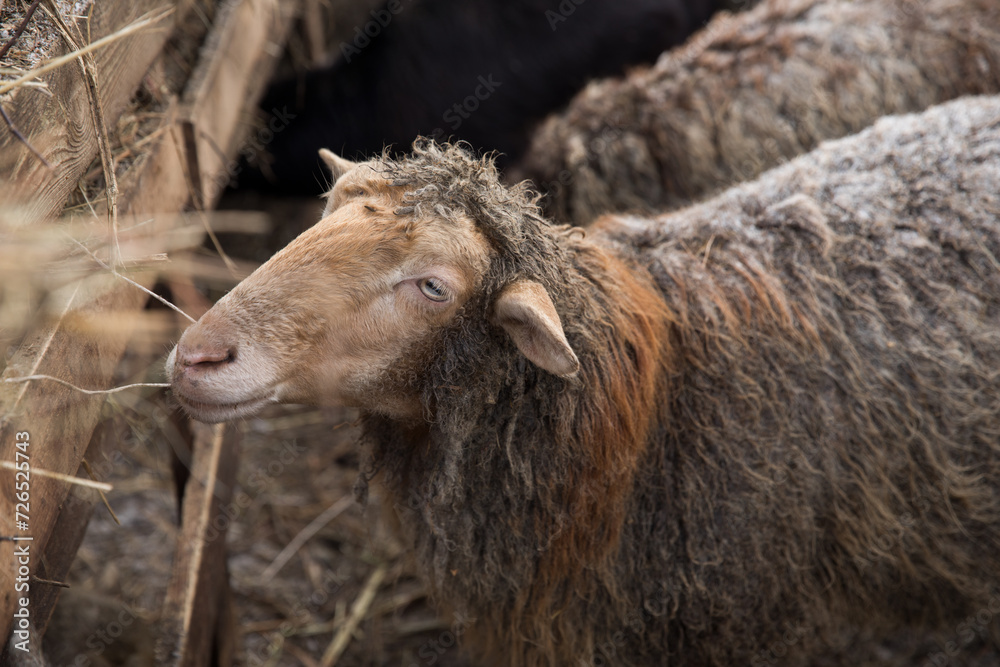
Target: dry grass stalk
129 280
328 515
113 390
41 472
104 498
358 612
142 22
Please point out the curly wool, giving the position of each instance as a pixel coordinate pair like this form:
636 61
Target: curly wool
783 441
753 90
520 483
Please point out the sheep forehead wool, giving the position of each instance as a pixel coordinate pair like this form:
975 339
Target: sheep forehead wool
823 395
448 181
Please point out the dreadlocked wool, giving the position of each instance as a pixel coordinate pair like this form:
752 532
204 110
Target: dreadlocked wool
783 440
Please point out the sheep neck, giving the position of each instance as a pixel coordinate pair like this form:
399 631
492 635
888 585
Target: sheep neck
540 466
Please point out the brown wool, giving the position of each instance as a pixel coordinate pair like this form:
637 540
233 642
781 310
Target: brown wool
783 439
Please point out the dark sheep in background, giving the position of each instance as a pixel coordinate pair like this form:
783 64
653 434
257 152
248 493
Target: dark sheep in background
482 71
753 90
762 426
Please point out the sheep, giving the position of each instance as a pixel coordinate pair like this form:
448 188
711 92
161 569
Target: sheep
763 425
484 72
752 90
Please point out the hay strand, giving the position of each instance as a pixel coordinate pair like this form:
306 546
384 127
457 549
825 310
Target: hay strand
41 472
358 612
104 498
328 515
113 390
142 22
132 282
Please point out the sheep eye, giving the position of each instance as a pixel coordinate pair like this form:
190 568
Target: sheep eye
433 289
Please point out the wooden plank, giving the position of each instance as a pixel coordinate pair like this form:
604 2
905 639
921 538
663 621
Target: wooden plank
314 30
76 347
194 611
57 120
67 535
239 58
82 345
68 532
58 420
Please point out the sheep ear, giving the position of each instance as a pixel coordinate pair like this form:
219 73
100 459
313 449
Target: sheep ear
526 313
338 166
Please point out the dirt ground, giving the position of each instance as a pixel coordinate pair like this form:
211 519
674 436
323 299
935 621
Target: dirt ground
295 463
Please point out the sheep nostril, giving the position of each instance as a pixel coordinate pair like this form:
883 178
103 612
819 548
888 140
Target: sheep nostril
207 358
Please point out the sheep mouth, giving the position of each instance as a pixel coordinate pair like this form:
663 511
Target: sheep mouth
213 413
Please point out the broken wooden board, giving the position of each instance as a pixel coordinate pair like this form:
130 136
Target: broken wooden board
93 321
197 627
57 120
237 62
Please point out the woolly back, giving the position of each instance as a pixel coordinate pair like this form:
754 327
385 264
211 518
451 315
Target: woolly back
786 410
831 458
754 89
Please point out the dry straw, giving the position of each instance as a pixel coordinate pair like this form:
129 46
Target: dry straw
144 21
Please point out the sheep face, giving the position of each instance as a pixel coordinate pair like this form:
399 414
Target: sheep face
347 313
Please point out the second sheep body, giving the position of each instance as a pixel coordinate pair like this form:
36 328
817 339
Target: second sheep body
753 90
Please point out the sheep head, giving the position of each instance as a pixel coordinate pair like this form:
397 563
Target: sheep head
346 313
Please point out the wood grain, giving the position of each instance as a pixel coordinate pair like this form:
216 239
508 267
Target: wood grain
196 625
57 120
80 347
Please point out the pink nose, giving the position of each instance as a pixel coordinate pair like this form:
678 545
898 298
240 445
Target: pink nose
198 355
204 347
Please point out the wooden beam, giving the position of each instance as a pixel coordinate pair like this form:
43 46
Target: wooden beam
57 119
82 345
238 60
60 552
314 31
59 421
68 532
196 626
78 345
